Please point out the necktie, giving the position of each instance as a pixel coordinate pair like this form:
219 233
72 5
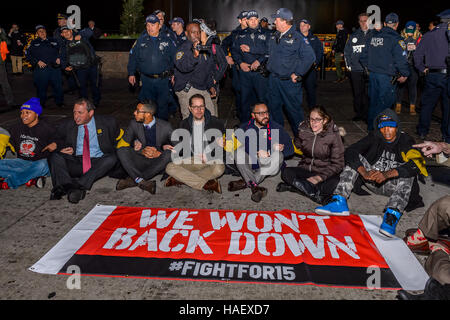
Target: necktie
86 152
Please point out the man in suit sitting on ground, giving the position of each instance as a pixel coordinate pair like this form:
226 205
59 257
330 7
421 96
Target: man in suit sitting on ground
88 152
145 149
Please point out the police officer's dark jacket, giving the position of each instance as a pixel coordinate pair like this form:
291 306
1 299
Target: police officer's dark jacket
227 43
197 71
289 54
354 47
257 40
317 46
432 49
46 51
374 147
386 53
151 55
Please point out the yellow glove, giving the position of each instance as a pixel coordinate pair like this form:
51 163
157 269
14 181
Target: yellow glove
297 150
417 158
122 143
4 143
231 145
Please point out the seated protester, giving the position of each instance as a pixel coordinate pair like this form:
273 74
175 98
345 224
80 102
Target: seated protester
87 152
317 173
33 141
266 158
78 57
196 170
379 160
145 148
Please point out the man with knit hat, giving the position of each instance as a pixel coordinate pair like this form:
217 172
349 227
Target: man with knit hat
383 161
33 141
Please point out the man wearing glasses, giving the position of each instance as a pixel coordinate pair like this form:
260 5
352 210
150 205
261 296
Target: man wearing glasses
257 160
195 166
145 149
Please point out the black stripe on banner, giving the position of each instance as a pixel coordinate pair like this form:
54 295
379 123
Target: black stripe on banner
340 276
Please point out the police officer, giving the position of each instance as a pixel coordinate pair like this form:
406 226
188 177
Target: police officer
354 47
62 22
43 53
177 25
430 59
310 79
152 55
386 61
227 44
78 57
290 58
194 68
250 52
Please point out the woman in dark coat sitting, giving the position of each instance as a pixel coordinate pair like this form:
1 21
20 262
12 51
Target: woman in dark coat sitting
317 173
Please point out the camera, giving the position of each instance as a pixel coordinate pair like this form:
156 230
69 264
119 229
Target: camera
202 48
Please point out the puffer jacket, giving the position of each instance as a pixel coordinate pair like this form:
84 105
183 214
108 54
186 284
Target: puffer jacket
323 153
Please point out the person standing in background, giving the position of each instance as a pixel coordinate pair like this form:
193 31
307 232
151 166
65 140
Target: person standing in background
338 49
17 46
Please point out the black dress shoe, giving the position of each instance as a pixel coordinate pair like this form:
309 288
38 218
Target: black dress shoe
57 194
76 195
283 187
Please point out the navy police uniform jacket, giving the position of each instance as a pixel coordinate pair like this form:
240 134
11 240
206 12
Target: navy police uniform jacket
196 71
432 49
317 46
46 51
151 55
289 54
227 43
354 48
257 40
386 53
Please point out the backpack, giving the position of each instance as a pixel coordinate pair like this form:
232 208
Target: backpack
79 55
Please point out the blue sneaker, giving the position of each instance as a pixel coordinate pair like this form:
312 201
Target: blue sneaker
390 221
337 207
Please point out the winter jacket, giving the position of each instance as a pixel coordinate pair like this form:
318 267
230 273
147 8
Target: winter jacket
14 48
323 153
374 148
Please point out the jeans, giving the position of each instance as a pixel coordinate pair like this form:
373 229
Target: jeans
382 95
18 171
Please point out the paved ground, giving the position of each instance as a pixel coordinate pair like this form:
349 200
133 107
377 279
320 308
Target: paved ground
30 224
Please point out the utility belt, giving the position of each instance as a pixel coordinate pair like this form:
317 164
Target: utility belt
299 78
165 74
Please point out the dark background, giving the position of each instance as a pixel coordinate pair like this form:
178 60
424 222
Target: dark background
322 13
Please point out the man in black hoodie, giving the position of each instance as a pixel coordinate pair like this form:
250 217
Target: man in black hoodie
381 159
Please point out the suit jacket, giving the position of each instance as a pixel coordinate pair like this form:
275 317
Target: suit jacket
108 131
135 131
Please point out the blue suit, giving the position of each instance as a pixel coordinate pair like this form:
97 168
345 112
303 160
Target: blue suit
153 57
253 84
288 54
385 58
47 51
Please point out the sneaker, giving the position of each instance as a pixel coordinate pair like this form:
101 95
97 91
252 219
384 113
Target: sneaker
4 185
416 241
439 245
390 221
40 182
337 207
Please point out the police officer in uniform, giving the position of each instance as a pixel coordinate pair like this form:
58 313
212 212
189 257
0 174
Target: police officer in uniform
250 52
310 79
177 25
152 55
227 44
354 47
290 58
386 61
430 59
78 57
43 53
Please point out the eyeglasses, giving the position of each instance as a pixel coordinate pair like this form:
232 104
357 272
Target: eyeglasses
139 111
262 113
198 107
315 120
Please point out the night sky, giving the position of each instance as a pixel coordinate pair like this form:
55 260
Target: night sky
323 13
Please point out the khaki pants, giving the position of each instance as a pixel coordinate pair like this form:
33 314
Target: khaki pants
183 99
195 175
16 64
437 218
